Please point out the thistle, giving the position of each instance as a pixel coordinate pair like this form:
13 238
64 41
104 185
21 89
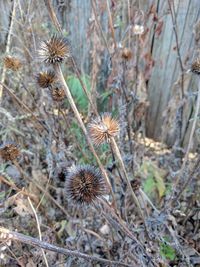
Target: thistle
12 63
46 79
195 68
103 128
55 50
84 184
57 93
9 151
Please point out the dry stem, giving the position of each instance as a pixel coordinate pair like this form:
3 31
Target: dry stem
36 242
77 114
189 146
8 47
118 155
39 231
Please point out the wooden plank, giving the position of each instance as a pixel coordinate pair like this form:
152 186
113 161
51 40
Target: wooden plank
167 70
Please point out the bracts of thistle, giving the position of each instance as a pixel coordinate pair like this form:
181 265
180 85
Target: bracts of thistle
55 50
85 184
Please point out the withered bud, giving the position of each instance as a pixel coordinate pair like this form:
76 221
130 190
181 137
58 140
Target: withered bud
9 151
55 50
12 63
103 128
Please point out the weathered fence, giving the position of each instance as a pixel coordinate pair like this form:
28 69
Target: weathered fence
166 78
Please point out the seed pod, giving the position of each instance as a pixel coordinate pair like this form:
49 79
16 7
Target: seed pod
55 50
57 93
9 151
84 184
195 68
127 53
12 63
103 128
46 79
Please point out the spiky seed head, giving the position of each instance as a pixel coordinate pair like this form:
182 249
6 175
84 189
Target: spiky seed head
195 68
103 128
127 53
12 63
57 93
55 50
46 79
136 184
84 184
9 151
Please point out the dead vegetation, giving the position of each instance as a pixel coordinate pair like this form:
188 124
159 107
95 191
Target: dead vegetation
80 183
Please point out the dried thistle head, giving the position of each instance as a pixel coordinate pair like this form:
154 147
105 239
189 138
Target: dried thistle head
46 79
55 50
57 93
103 128
127 53
84 184
195 68
9 151
12 63
136 184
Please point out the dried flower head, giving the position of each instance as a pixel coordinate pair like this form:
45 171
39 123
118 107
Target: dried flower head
12 63
55 50
195 68
103 128
84 184
136 184
127 53
9 151
138 29
46 79
57 93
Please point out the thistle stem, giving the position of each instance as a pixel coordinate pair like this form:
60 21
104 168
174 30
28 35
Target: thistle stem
78 117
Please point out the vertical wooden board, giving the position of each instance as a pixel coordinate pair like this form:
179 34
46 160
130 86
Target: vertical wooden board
159 54
172 66
164 76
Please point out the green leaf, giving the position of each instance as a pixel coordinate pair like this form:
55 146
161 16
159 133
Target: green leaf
78 92
167 252
154 178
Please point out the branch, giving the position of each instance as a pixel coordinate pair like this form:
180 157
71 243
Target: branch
188 147
8 47
5 233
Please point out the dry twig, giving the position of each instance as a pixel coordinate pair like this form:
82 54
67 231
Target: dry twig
36 242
